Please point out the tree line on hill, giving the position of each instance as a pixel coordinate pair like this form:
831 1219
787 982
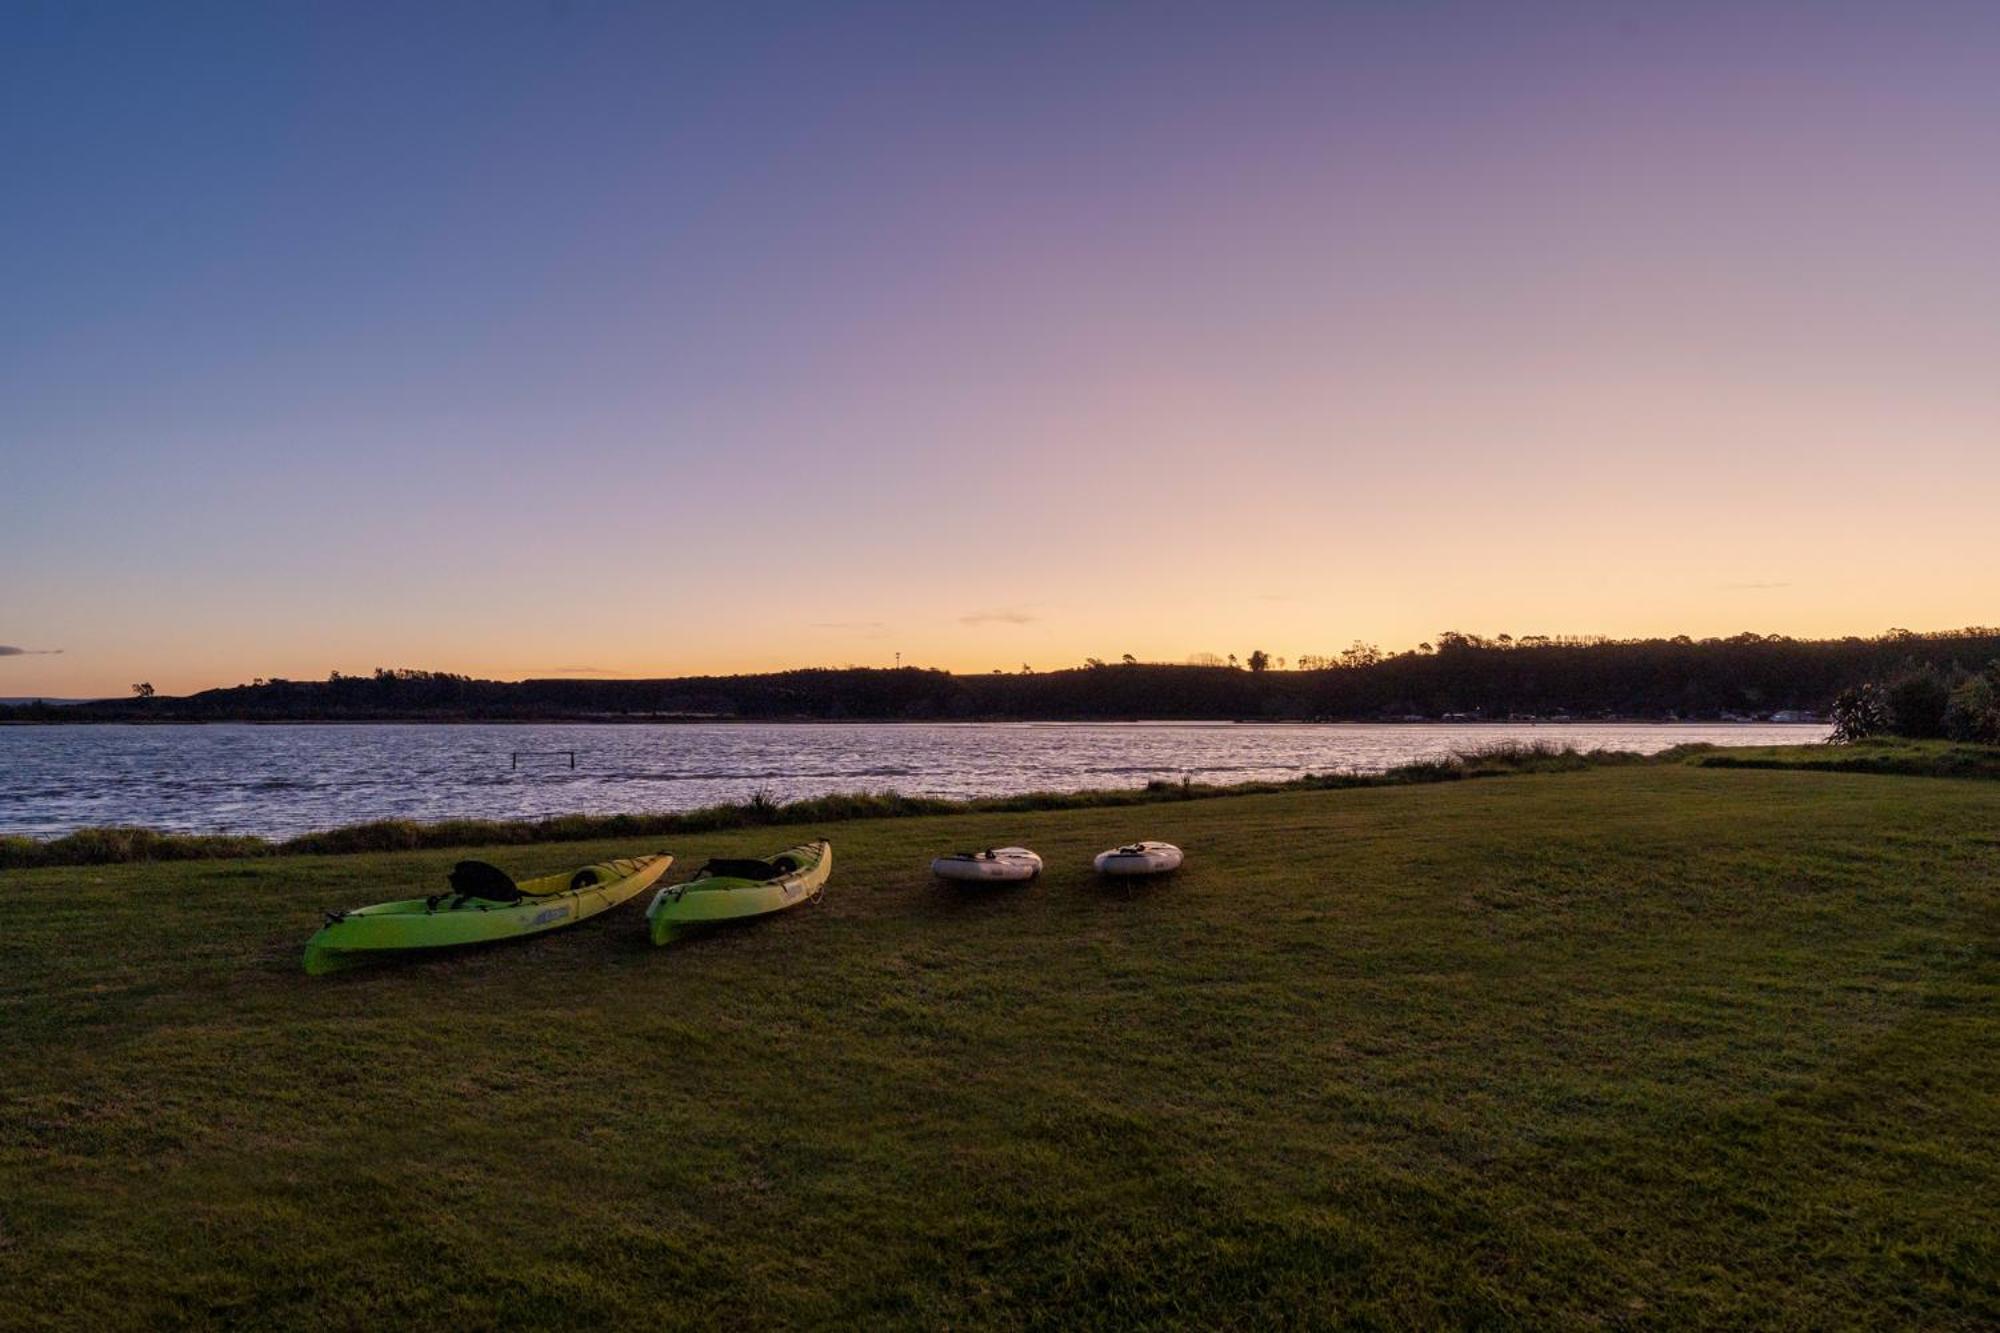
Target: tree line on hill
1457 675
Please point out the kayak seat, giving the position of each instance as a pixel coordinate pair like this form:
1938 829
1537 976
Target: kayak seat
584 878
488 883
739 869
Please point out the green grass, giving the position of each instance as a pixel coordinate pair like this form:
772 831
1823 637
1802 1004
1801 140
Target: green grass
1646 1046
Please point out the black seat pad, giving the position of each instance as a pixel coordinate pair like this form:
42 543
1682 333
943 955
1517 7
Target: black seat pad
741 869
476 879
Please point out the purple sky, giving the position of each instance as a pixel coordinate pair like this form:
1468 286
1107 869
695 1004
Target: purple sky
508 339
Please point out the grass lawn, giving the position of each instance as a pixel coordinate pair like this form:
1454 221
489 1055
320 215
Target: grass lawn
1637 1047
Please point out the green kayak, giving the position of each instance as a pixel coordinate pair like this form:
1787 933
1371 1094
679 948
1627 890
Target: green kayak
734 890
482 905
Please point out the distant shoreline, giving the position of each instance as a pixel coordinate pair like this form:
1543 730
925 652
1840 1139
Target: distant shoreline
1458 678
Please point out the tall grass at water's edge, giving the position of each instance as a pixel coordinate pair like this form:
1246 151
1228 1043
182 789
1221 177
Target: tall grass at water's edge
113 845
1891 755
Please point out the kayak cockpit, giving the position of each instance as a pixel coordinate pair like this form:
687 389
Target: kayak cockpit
747 868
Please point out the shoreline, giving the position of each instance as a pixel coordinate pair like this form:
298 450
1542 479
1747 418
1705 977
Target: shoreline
110 845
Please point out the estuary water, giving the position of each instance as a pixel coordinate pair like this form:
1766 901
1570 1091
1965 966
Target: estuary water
282 779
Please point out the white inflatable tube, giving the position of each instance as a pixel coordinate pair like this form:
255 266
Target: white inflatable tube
995 865
1139 858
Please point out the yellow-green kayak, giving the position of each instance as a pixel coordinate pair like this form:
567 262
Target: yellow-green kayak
733 890
482 905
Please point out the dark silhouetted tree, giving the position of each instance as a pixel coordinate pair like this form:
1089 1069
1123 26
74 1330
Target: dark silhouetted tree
1858 712
1973 714
1916 698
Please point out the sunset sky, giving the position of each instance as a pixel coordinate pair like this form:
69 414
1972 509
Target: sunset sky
648 339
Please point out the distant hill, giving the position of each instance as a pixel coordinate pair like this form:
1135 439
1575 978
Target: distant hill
1461 675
